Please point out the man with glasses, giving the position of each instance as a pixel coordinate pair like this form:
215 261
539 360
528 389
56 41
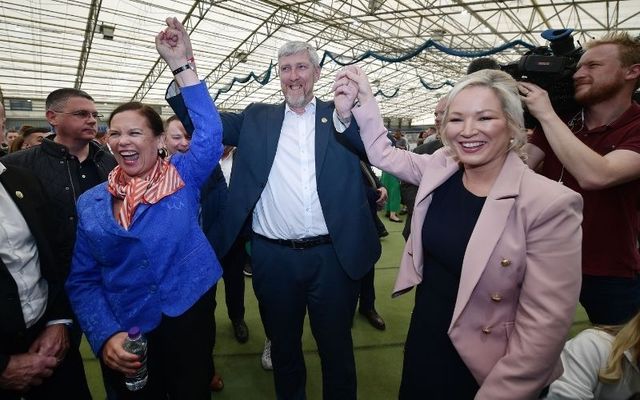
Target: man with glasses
67 164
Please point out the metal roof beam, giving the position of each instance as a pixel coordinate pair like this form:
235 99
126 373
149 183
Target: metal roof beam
196 14
249 44
89 31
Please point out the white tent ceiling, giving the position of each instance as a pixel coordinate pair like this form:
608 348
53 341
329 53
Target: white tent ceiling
48 44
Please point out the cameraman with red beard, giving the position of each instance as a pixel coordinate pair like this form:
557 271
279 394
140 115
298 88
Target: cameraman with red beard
596 152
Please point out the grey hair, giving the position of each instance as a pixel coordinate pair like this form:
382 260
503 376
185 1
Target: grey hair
295 47
506 89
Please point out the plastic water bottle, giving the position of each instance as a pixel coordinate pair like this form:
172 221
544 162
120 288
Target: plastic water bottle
136 343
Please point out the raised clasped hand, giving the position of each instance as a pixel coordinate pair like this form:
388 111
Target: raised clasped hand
345 93
173 43
353 76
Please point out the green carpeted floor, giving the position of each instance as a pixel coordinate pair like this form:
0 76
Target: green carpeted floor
378 354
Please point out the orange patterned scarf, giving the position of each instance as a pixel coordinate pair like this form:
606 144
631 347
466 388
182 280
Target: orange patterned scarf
161 182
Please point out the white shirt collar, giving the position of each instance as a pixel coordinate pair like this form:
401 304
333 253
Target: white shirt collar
310 107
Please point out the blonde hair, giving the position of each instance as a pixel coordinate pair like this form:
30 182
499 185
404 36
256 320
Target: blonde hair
627 338
505 88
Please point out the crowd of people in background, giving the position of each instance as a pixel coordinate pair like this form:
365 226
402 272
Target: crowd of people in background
506 231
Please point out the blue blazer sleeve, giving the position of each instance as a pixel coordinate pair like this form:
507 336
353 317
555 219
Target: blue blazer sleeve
214 190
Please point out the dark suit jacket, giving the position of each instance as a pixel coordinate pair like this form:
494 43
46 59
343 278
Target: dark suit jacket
408 191
213 199
26 191
255 133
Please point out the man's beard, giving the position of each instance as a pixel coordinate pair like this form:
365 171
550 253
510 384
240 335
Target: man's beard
296 101
599 92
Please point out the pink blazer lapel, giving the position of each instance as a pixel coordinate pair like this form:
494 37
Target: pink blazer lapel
489 228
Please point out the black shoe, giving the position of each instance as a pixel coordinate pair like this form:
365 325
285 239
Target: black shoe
247 270
383 233
240 330
374 319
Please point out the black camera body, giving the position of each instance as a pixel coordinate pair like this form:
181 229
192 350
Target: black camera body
552 68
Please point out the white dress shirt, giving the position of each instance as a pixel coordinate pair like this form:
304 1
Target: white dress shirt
289 207
19 254
226 164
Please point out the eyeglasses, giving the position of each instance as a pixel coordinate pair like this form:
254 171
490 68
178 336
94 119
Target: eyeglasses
82 114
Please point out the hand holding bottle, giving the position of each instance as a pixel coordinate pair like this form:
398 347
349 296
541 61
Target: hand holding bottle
116 358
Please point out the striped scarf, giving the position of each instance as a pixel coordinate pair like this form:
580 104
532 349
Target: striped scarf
161 182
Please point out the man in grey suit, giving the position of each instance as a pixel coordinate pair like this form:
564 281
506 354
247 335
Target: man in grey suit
296 189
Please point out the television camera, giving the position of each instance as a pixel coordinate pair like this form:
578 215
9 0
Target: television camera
552 68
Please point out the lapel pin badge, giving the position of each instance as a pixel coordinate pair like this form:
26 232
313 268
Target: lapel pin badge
19 194
324 120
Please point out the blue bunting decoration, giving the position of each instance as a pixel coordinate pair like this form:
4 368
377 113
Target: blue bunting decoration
266 76
427 86
380 92
420 49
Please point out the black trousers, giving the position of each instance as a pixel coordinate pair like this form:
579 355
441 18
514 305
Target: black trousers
610 300
367 291
232 265
287 283
179 357
68 380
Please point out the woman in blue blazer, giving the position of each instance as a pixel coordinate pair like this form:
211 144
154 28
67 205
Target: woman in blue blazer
140 257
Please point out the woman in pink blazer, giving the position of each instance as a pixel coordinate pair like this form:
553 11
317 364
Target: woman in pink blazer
494 250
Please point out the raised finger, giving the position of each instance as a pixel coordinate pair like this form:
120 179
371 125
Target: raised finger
179 26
